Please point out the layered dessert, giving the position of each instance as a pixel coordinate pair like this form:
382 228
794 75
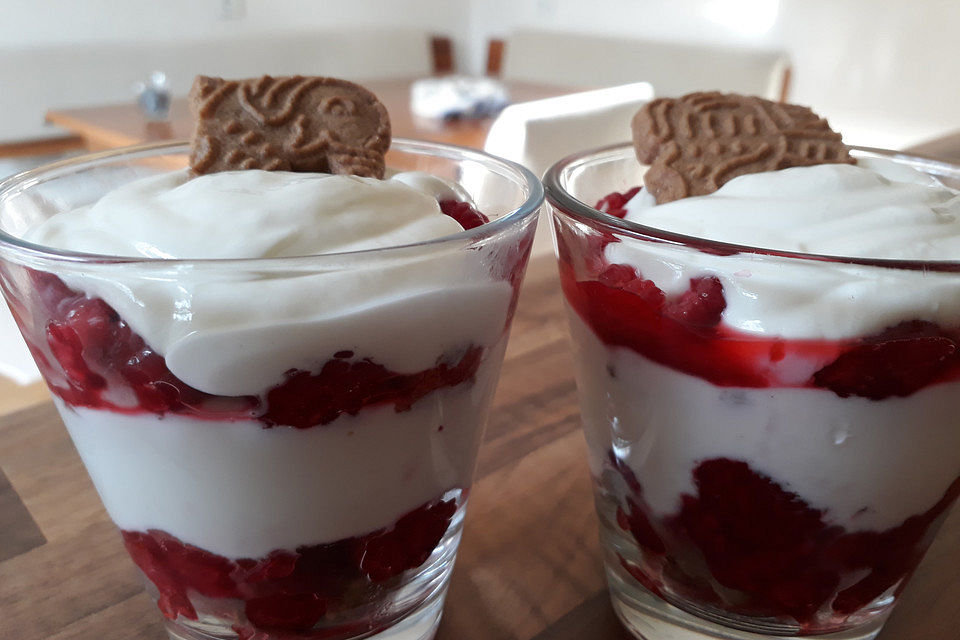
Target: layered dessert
285 442
774 437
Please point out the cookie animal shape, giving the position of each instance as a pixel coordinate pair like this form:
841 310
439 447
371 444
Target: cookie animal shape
696 143
294 123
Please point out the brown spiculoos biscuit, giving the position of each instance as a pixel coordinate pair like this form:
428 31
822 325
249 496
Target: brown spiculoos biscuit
696 143
294 123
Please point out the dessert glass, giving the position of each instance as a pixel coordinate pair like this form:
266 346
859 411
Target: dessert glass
751 485
326 501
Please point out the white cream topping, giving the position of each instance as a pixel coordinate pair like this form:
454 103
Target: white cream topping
252 214
878 209
236 331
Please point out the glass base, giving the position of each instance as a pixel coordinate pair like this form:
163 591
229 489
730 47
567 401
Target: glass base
649 618
420 624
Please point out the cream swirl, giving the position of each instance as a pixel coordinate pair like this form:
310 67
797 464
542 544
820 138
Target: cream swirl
234 330
253 214
879 209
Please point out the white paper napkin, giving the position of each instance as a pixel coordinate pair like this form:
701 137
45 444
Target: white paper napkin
458 97
16 362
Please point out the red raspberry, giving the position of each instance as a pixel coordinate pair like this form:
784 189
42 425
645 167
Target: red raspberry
639 525
462 212
408 544
614 204
617 275
701 305
781 556
896 362
289 591
67 348
343 386
286 612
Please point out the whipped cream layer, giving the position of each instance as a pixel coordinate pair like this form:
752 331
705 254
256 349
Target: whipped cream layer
878 209
236 330
242 491
868 465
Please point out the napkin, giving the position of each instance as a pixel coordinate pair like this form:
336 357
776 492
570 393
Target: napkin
451 97
537 134
16 363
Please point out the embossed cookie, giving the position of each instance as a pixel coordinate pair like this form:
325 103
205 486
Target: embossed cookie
294 123
696 143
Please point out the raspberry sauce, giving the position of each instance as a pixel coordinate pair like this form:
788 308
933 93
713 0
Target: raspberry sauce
766 551
288 591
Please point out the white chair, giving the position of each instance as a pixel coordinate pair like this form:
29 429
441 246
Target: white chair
582 60
538 133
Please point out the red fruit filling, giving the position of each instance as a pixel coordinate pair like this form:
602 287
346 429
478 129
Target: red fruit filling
341 387
464 213
288 591
772 553
615 204
512 263
900 360
99 362
685 332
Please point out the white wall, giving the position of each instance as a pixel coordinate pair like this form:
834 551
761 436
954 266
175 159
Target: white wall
26 23
880 70
62 53
885 66
682 20
32 23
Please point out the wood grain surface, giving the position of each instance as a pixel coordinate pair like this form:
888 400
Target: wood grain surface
122 125
529 565
14 396
945 147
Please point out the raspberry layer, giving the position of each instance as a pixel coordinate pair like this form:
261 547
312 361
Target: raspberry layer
96 361
686 332
743 544
290 591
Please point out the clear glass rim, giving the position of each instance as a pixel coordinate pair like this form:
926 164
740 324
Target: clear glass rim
29 251
565 203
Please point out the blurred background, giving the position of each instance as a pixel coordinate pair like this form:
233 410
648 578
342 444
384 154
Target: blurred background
878 70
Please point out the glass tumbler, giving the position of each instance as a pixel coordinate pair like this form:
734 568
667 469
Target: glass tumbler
295 463
752 481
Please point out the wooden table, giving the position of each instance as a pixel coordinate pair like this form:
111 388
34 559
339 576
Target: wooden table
121 125
529 565
946 147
